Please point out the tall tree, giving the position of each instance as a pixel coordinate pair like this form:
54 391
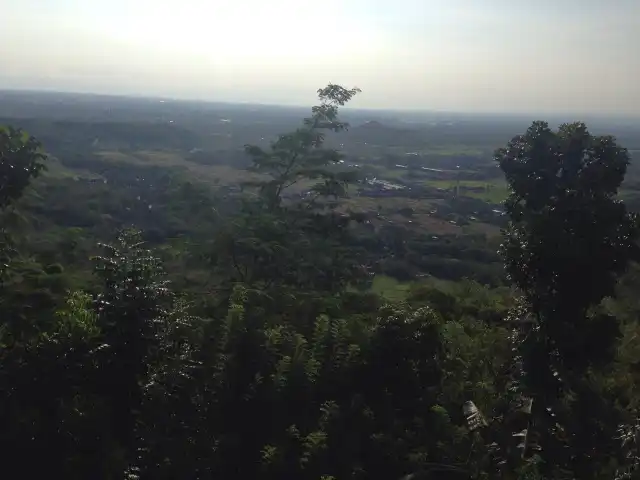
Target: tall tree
568 240
295 239
21 160
301 156
145 358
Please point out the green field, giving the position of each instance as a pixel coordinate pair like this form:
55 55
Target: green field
494 191
497 194
390 288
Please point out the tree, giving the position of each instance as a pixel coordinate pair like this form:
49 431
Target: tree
300 155
281 239
567 242
21 160
145 359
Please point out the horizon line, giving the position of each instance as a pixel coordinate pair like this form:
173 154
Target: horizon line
507 114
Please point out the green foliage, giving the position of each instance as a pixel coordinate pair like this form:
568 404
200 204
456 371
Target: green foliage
118 365
292 369
146 358
300 155
25 289
20 161
569 238
567 242
303 242
78 319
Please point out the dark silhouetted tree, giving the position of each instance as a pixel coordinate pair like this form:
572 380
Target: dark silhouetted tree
568 240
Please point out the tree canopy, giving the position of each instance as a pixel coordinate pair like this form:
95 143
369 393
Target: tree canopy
289 369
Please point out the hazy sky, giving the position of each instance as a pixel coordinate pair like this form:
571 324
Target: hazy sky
458 55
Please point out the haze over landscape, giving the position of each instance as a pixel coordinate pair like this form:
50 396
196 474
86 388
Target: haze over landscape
579 56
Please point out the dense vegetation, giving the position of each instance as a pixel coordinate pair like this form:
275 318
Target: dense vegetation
236 332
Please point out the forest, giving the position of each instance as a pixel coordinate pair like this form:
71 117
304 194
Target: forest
184 294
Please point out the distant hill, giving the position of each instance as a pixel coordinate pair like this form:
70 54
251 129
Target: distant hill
371 124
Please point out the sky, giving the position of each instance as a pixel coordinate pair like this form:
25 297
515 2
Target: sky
520 56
